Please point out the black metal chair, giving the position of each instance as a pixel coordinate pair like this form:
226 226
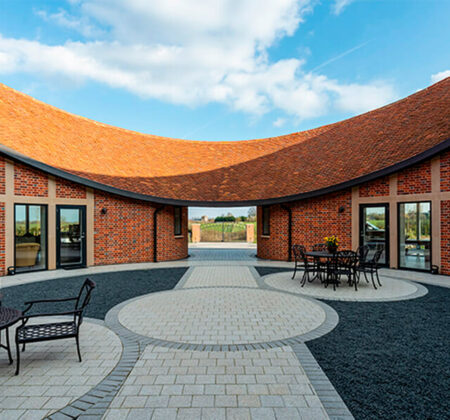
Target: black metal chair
320 267
371 267
346 266
309 268
54 330
362 252
298 250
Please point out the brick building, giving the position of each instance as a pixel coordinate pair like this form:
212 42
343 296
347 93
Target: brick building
75 192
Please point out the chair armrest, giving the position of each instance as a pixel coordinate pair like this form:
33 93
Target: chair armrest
27 317
32 302
49 300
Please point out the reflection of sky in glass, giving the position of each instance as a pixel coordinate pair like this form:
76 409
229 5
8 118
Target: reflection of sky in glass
35 213
70 215
374 211
20 213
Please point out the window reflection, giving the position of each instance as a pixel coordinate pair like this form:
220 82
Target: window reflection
415 235
30 237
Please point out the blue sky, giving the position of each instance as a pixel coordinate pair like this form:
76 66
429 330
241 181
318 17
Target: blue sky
222 69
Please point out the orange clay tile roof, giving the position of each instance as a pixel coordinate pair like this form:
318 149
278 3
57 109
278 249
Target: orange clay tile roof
225 173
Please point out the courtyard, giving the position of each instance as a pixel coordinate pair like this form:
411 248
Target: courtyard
226 335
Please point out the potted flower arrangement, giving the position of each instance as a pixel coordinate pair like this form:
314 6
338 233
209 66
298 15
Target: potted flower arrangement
332 243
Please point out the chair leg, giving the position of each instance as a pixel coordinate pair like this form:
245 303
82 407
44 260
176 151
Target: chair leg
365 276
78 348
373 280
8 346
295 271
304 278
378 278
23 347
18 358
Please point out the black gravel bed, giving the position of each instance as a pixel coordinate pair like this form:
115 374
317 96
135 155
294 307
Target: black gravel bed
112 288
265 271
391 360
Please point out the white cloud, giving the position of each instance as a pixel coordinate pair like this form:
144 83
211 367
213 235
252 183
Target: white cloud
63 19
435 77
191 53
279 122
340 5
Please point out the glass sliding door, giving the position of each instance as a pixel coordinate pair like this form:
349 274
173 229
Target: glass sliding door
374 229
415 235
30 237
71 236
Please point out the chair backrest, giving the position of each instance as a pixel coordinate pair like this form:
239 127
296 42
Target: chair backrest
84 297
319 247
299 251
362 253
347 258
378 253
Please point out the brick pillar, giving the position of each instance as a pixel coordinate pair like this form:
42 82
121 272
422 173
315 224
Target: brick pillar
250 233
195 232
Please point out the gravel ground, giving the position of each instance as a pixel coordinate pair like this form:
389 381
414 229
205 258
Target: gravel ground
112 288
389 360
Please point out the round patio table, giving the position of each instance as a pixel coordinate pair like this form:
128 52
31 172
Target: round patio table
317 255
8 317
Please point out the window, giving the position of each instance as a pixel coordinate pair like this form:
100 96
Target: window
177 220
30 237
266 221
415 235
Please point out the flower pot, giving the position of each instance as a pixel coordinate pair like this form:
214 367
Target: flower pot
332 249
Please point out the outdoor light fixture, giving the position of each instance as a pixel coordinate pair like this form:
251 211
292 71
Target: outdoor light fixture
341 209
104 210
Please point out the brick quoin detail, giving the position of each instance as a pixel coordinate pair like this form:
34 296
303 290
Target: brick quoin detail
29 182
376 188
445 237
2 239
445 171
67 189
415 180
2 175
312 220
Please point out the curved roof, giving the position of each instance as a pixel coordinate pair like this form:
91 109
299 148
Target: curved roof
270 170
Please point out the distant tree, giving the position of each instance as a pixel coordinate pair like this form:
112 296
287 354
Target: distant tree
224 219
252 212
243 218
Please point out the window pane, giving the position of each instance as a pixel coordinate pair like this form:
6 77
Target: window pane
415 235
30 237
70 236
374 230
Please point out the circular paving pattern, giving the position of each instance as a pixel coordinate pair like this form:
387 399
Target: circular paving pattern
221 316
392 289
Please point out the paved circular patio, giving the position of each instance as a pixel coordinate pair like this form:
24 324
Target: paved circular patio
392 289
222 316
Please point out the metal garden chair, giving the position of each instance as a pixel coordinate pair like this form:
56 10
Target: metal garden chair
54 330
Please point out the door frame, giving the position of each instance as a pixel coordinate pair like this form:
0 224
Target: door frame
387 228
82 209
431 235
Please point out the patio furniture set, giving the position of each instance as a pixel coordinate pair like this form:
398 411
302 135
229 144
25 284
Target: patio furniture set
329 267
45 331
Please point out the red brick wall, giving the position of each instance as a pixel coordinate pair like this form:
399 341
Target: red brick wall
29 181
2 240
274 247
67 189
445 237
445 171
125 233
2 175
415 180
169 246
312 220
378 187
